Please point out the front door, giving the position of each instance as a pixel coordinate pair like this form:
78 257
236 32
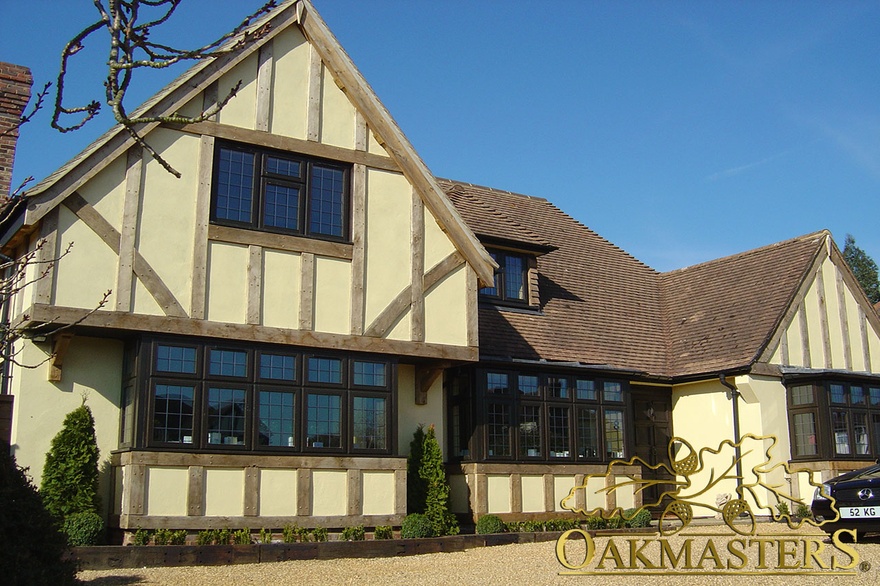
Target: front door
652 423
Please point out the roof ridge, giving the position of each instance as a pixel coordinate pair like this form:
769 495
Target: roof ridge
714 261
493 189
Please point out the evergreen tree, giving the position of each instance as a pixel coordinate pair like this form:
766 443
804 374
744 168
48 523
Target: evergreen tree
70 476
433 474
30 542
863 267
416 488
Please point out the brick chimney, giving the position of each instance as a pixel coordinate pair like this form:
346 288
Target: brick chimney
15 91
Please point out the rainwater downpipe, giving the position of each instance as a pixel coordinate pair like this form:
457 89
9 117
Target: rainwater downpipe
733 394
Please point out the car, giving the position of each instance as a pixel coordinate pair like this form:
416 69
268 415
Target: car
855 496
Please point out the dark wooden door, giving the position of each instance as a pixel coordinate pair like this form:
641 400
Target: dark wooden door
652 424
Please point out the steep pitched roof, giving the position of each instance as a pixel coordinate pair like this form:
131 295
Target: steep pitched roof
719 315
52 190
599 305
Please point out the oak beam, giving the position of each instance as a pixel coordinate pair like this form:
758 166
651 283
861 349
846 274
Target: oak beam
264 87
307 292
134 176
199 293
47 257
316 90
358 251
417 228
285 242
255 285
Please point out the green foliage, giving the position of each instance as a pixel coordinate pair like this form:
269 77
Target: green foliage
353 533
31 543
640 518
214 537
561 524
538 526
803 511
383 532
595 522
242 537
863 267
85 528
319 533
615 522
489 524
294 534
416 525
431 492
265 535
141 537
169 537
782 507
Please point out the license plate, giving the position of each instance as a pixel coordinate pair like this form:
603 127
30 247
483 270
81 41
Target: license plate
859 512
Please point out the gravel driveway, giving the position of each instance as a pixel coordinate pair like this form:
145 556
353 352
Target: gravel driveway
529 563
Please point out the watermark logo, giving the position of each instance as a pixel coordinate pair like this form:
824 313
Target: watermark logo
688 485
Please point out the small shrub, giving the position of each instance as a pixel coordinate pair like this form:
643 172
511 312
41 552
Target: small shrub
141 537
294 534
640 518
213 537
489 524
783 509
177 537
162 537
242 537
85 528
595 522
319 533
513 526
561 524
353 533
615 522
416 525
265 535
383 532
804 512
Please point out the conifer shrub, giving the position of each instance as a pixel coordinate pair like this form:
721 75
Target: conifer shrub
489 524
416 525
85 528
416 487
31 542
430 493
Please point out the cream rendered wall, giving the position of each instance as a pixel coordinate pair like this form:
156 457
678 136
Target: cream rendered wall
624 496
166 490
281 288
329 492
290 84
90 255
168 216
241 111
92 369
445 319
332 295
227 282
562 485
410 415
498 493
378 493
532 493
814 331
224 492
337 116
388 233
278 492
595 498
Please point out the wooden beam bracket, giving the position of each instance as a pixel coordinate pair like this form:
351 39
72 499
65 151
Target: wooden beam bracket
59 350
426 376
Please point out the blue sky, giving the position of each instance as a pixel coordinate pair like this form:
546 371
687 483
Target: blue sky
681 131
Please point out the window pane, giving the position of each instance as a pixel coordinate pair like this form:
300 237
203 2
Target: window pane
235 186
279 166
530 430
557 387
588 433
496 382
226 416
278 367
514 286
176 359
612 391
860 432
276 418
839 423
369 374
874 394
325 370
557 421
281 206
857 396
614 433
805 434
802 395
173 414
875 427
498 427
492 291
326 201
228 363
528 385
838 394
586 390
369 426
323 422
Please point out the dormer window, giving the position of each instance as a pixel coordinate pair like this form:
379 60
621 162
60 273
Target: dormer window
511 277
